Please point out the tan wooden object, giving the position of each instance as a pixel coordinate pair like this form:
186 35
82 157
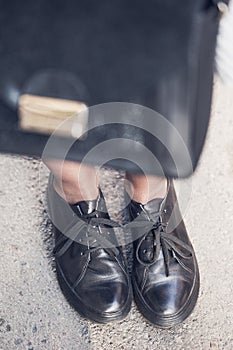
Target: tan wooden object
47 115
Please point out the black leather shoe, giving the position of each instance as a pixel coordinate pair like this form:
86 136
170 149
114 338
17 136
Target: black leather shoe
90 267
165 273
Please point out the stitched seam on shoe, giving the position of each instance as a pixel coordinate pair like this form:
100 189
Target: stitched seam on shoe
80 277
144 278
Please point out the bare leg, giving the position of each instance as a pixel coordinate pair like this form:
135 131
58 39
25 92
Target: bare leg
73 181
143 188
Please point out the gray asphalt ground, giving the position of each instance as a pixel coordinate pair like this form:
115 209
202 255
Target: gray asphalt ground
33 311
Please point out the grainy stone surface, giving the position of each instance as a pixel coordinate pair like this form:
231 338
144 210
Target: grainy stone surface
34 313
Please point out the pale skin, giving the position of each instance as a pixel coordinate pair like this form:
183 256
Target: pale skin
76 182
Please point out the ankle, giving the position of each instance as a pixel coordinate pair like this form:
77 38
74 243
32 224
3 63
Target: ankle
144 194
72 193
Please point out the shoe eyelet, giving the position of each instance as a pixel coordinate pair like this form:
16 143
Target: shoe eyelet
144 251
165 210
81 253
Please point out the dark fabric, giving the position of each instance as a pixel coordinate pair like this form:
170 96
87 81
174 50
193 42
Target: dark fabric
159 54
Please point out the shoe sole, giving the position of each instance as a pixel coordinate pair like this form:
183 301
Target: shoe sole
167 321
84 311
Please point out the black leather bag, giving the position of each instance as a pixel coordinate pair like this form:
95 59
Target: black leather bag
159 54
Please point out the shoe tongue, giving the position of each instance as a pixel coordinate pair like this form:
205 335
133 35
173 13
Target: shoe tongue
84 207
153 207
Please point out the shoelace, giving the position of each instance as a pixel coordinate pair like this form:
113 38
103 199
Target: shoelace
161 240
91 223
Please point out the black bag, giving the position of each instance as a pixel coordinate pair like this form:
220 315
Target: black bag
156 53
